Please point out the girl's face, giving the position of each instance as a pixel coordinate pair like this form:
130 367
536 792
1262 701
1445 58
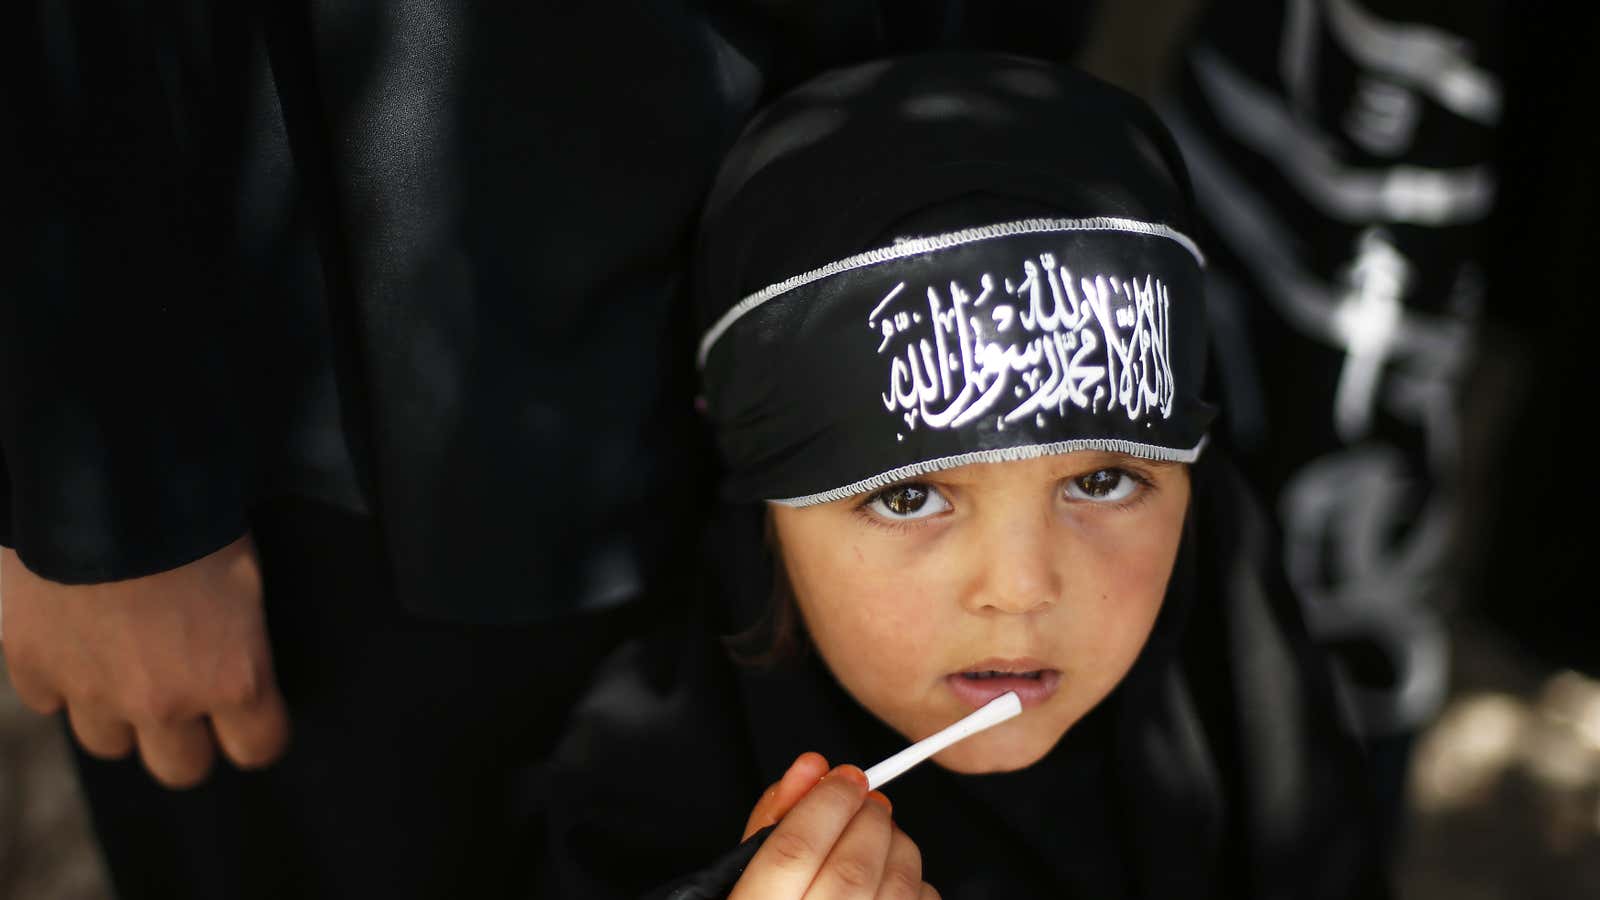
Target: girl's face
1043 576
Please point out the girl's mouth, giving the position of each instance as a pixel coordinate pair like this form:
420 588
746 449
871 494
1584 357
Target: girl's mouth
1033 682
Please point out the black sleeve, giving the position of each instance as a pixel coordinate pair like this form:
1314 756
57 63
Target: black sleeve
5 502
653 777
118 423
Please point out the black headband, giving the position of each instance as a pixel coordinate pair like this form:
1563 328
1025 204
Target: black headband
995 339
993 343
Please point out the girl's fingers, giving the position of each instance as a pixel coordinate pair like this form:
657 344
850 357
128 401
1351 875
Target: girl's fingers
794 852
855 866
803 775
902 873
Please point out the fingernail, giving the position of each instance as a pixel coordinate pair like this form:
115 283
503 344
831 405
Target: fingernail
851 773
881 798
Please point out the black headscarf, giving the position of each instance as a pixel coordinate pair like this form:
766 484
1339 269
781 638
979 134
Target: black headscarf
930 262
1217 768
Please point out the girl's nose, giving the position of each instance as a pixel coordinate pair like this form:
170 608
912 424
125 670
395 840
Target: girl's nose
1017 571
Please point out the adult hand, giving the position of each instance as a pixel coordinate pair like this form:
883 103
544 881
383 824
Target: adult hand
833 840
173 663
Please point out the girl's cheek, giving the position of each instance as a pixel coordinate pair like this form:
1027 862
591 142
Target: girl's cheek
893 621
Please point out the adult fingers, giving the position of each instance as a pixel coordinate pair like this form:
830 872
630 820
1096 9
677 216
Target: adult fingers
928 893
255 734
854 867
101 733
902 873
789 859
804 773
28 680
34 692
179 754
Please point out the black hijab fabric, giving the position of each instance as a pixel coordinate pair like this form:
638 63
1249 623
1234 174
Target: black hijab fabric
1219 767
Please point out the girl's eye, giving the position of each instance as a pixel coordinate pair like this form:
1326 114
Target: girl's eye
908 501
1102 486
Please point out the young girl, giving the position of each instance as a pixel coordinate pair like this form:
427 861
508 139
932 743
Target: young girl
953 350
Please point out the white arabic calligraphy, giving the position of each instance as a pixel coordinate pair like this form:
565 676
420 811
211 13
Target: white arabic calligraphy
1053 340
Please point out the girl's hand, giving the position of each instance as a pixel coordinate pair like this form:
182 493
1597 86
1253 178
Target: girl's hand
833 840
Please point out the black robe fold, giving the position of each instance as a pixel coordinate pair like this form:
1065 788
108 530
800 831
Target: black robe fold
417 260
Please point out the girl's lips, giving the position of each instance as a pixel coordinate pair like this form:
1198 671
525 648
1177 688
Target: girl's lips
1032 687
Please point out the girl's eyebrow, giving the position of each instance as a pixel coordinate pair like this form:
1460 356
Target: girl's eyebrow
1113 458
1158 463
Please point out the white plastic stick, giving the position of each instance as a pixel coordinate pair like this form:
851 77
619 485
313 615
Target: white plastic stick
990 714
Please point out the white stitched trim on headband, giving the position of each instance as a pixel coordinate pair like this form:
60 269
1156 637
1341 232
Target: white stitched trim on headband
916 246
999 454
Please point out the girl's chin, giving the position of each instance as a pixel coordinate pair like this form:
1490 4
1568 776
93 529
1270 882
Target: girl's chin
995 751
